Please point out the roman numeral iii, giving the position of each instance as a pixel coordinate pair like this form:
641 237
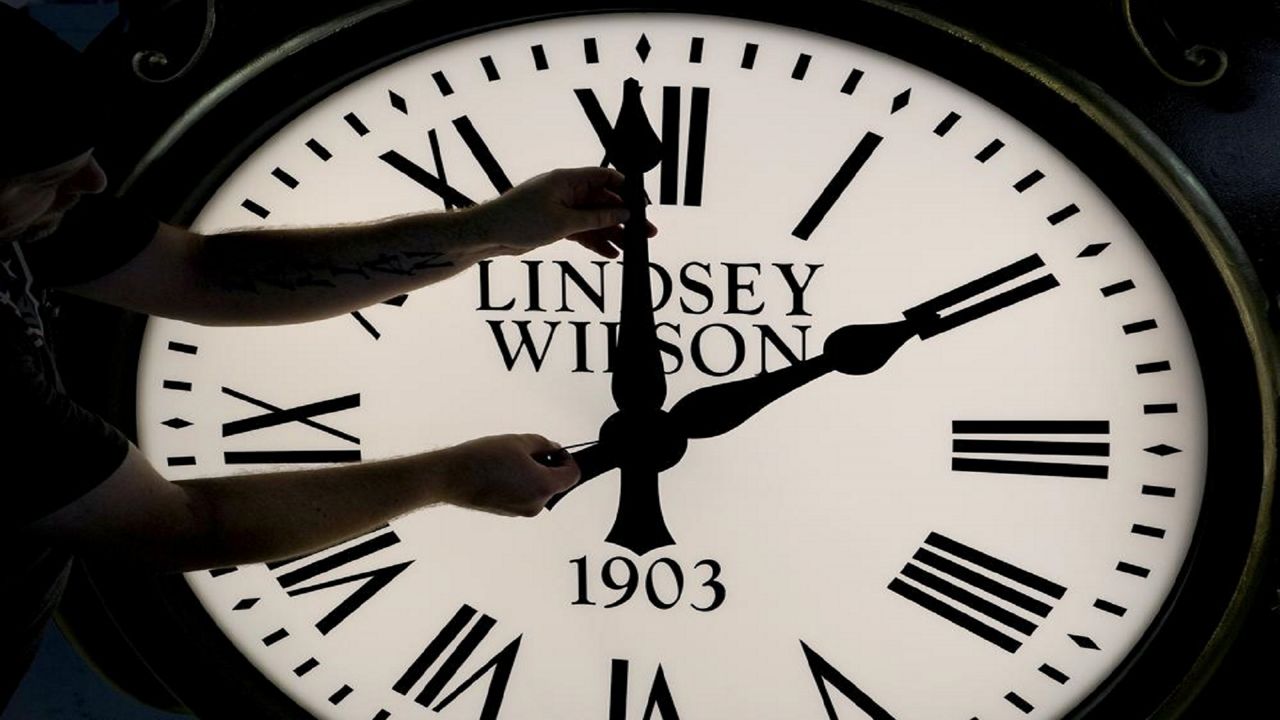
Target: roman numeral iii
1031 447
991 598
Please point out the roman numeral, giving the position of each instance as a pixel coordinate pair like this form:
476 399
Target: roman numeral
927 316
957 583
694 146
436 183
1012 439
300 571
660 699
824 674
499 665
277 416
837 185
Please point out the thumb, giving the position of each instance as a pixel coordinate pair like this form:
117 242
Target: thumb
564 472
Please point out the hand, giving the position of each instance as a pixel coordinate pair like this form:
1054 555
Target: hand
639 383
503 475
580 204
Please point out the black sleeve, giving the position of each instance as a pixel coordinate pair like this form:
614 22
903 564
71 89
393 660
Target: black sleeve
55 451
97 236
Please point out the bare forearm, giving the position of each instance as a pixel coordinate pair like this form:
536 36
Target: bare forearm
254 518
287 276
137 519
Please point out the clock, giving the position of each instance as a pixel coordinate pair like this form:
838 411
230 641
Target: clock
942 392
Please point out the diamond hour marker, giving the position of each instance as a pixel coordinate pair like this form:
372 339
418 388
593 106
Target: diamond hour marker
643 48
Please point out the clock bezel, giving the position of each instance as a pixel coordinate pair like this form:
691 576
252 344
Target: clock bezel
1103 135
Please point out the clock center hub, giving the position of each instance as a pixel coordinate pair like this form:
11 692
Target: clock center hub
643 439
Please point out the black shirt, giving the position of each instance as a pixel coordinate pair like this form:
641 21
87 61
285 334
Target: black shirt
53 451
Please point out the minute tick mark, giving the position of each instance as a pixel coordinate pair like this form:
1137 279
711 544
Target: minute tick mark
801 67
851 82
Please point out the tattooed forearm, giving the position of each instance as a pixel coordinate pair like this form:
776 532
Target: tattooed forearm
232 272
287 275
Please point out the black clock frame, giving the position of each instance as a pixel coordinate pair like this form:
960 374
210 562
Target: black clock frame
174 174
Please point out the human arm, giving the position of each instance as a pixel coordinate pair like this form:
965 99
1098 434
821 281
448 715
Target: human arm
137 518
280 276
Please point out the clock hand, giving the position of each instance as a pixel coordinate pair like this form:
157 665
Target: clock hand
855 350
638 379
639 384
852 350
639 525
592 462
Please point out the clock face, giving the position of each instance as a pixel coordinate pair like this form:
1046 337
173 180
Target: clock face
986 526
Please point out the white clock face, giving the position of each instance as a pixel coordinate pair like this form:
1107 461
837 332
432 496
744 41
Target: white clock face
984 527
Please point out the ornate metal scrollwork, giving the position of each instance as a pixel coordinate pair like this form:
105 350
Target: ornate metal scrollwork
155 66
1187 64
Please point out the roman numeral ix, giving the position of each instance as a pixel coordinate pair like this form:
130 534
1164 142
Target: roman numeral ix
278 416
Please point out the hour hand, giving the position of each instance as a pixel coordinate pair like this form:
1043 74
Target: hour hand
860 349
853 350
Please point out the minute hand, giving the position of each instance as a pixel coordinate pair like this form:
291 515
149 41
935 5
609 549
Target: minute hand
854 350
638 379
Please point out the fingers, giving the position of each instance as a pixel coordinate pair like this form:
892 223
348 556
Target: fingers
555 472
588 180
598 245
607 241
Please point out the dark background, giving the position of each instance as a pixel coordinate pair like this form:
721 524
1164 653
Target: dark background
1226 131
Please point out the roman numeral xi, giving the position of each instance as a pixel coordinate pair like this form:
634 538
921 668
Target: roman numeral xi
437 183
